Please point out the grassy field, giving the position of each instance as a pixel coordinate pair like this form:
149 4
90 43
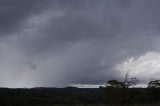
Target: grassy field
74 96
157 104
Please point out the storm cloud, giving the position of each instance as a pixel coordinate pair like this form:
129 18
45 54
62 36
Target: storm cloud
62 42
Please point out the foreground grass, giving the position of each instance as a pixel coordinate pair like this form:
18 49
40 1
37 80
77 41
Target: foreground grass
74 96
157 104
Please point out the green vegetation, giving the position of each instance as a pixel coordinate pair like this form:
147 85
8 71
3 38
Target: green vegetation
128 82
84 96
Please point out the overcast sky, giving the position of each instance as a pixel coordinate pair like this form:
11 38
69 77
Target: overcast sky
55 43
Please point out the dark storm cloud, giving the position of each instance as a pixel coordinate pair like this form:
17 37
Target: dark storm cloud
13 12
61 42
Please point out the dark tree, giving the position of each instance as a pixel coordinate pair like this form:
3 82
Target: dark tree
130 81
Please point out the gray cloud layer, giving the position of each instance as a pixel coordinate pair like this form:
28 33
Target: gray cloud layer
58 42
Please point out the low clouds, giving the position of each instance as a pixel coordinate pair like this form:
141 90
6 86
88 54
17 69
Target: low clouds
58 43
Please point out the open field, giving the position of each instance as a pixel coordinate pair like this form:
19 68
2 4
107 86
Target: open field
83 96
158 104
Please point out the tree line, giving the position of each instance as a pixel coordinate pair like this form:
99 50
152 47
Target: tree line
128 82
